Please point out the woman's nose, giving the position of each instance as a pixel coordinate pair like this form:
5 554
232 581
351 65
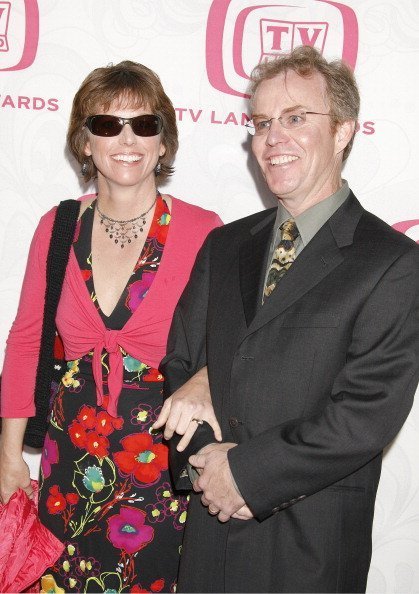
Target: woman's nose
127 135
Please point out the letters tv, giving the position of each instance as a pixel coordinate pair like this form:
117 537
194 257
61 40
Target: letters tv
282 36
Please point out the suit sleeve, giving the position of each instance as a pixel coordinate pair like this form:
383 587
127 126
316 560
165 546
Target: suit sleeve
370 400
186 354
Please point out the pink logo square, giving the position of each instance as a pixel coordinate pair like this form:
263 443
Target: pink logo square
19 34
239 36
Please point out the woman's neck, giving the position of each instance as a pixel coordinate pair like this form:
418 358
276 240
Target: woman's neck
125 202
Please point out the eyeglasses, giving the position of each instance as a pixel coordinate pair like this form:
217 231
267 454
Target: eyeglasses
290 121
110 125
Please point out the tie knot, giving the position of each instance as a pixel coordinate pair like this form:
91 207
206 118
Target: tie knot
289 231
110 341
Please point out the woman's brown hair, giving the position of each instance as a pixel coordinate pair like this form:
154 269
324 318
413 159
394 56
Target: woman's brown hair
131 85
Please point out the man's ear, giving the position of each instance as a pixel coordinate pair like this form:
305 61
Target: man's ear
343 134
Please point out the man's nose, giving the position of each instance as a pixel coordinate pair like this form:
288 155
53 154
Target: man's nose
276 133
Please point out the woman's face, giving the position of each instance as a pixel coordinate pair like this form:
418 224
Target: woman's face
125 160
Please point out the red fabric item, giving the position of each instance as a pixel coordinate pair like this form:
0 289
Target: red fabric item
27 548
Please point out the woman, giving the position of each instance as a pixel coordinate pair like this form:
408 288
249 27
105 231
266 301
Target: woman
105 488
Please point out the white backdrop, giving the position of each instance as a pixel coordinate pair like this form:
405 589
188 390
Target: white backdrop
203 51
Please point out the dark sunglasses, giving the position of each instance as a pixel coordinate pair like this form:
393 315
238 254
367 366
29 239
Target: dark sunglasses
109 125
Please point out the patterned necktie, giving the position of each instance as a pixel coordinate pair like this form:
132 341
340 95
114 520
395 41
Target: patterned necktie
283 256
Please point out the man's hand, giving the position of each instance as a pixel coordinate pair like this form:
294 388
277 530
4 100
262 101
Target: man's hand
183 410
243 513
219 492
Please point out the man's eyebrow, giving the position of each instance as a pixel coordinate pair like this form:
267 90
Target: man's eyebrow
294 108
298 107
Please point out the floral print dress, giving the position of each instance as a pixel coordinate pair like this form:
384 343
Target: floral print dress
105 486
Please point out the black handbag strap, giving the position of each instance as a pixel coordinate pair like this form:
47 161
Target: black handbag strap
58 255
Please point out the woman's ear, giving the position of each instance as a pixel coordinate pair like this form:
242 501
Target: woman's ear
87 150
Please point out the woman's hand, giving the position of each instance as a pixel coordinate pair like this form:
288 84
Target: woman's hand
14 475
185 407
14 472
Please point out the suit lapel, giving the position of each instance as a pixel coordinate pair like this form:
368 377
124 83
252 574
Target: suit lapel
315 262
309 269
252 264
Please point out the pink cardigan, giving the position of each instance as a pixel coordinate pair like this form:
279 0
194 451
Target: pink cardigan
80 326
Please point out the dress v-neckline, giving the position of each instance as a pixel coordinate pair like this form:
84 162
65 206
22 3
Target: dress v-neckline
109 321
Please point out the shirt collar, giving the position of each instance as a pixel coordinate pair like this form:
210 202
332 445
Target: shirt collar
312 219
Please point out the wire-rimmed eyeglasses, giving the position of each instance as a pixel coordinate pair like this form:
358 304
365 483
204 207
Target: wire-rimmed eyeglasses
291 121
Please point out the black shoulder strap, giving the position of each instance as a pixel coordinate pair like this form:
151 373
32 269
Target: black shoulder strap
58 255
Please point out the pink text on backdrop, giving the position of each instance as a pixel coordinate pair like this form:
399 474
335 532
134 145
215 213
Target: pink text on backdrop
281 36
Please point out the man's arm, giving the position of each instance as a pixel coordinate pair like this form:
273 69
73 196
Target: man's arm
369 403
186 346
186 355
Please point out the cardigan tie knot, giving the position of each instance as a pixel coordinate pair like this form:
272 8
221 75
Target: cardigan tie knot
110 341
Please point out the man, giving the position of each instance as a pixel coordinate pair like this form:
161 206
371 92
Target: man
307 319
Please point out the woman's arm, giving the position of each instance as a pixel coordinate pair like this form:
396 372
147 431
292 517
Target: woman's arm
14 472
23 342
183 410
19 370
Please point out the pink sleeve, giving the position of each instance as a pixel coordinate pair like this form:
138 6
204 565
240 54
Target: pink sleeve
217 222
22 350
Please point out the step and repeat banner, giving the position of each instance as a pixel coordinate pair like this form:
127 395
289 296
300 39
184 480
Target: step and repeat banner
203 51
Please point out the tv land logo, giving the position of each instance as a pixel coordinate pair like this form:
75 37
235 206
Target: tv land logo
240 36
19 34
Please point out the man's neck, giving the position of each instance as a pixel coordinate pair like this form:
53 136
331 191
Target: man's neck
296 205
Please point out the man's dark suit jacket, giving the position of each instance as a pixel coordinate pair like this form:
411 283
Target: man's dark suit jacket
311 386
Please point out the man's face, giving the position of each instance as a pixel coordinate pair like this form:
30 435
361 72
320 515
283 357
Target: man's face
301 166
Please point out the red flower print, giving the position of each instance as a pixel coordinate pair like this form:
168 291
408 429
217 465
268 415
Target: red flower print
56 502
153 375
77 434
105 424
117 422
72 498
160 227
157 586
138 589
162 231
97 445
86 274
87 417
58 348
141 458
